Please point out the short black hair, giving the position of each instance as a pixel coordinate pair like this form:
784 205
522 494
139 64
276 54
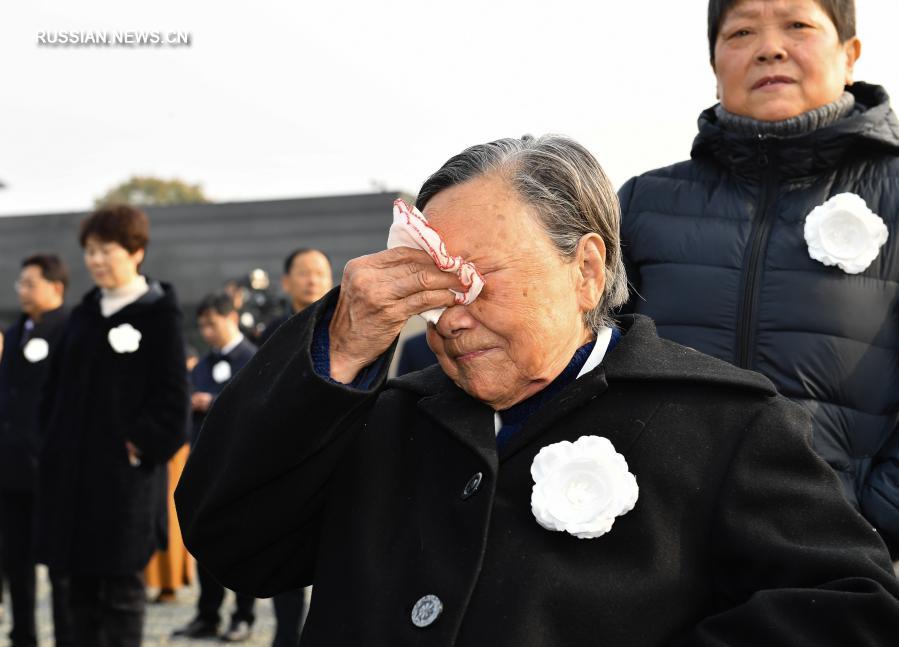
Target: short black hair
841 12
288 262
52 267
217 302
122 224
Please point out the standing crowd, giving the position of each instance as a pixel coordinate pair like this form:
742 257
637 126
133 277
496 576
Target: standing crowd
99 405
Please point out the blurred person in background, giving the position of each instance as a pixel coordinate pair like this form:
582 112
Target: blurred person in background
171 568
33 342
775 247
217 320
116 413
191 357
254 301
415 355
307 278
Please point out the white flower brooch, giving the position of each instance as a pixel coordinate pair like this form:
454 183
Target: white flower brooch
845 232
36 350
124 338
581 487
221 372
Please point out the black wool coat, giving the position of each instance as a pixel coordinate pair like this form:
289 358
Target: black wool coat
740 535
716 253
21 387
98 514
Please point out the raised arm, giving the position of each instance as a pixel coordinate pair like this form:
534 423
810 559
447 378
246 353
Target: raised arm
251 493
251 496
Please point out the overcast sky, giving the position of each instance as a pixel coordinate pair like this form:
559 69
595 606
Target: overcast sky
287 98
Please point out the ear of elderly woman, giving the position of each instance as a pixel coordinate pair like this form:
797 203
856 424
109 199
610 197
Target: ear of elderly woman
635 493
775 246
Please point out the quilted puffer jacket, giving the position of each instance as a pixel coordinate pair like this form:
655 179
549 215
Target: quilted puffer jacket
716 254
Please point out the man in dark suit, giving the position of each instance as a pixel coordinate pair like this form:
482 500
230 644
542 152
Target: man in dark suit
30 344
307 278
217 320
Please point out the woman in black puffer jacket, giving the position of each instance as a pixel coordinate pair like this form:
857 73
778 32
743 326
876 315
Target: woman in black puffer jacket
729 255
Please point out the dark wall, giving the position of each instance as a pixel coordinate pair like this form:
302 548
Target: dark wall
199 247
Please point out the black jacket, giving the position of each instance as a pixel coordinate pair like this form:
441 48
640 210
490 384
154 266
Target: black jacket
97 513
717 257
21 387
202 377
740 535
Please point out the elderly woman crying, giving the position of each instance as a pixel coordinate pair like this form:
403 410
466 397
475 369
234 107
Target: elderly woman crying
558 479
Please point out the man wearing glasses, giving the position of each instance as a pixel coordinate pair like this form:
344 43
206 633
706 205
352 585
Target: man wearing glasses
24 367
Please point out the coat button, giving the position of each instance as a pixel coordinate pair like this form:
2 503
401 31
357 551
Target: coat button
473 485
426 610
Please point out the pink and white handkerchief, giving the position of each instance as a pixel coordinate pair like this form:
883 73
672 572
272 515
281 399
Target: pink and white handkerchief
411 229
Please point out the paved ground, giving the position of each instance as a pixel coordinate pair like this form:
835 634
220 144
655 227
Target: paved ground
161 619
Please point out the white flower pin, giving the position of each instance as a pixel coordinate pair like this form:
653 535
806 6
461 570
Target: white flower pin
124 338
581 487
221 372
845 232
36 350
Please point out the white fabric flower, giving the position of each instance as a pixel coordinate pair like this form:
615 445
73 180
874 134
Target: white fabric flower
221 372
845 232
36 350
124 338
581 487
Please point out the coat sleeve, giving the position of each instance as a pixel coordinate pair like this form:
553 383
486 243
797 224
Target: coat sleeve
880 495
633 276
796 564
253 492
159 427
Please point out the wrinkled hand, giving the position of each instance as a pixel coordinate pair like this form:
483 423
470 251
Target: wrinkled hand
378 294
200 401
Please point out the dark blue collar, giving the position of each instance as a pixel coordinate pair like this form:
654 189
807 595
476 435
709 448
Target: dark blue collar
515 416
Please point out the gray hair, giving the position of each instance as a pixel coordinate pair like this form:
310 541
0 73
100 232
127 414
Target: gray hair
565 186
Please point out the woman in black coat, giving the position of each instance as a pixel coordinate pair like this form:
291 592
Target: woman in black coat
557 480
116 411
776 246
